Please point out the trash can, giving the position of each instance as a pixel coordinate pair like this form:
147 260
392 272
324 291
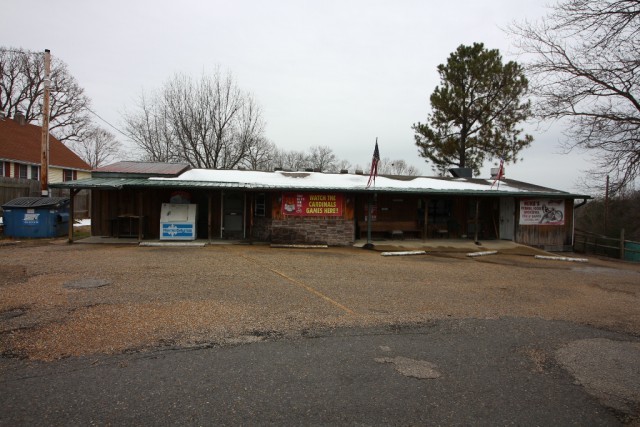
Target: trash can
632 251
36 217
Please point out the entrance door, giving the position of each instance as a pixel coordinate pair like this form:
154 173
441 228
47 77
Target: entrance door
507 217
233 215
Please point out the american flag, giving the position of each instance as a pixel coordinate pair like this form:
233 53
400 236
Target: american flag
500 174
374 166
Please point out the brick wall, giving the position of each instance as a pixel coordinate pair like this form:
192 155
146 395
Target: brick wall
332 232
261 229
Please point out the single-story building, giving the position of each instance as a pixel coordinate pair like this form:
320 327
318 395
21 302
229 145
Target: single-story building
328 208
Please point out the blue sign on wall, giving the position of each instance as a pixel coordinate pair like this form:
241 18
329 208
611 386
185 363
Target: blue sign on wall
177 231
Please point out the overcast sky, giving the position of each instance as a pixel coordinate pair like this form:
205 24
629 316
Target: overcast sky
334 73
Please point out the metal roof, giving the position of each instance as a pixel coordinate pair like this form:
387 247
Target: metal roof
141 169
477 187
35 202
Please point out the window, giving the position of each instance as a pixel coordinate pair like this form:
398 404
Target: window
260 205
439 211
22 171
35 172
69 175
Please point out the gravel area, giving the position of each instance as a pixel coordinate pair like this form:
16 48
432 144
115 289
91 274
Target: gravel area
220 294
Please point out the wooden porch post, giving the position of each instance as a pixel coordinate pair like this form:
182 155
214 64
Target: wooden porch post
477 221
250 213
426 218
369 221
140 217
210 216
72 195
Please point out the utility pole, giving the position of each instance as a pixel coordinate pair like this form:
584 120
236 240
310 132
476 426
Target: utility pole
44 152
606 206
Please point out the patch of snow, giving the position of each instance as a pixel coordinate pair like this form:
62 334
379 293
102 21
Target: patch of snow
560 258
312 180
82 222
475 254
403 253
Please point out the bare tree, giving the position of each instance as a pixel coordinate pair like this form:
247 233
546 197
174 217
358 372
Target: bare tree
150 132
98 147
22 89
343 165
294 160
319 158
584 69
261 155
209 123
322 159
396 167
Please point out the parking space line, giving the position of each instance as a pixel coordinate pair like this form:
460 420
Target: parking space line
302 285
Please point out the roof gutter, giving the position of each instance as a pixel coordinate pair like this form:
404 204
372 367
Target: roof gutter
582 203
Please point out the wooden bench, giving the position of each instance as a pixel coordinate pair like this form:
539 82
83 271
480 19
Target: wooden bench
394 229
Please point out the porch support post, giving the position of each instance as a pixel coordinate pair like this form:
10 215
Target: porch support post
222 214
140 217
72 195
210 217
252 209
426 218
369 218
475 239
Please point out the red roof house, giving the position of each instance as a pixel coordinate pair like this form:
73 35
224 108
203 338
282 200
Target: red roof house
20 145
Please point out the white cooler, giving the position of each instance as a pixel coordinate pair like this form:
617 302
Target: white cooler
178 221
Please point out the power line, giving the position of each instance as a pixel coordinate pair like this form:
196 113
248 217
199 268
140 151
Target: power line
112 126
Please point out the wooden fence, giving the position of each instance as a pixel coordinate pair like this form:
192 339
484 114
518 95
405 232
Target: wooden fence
12 188
613 247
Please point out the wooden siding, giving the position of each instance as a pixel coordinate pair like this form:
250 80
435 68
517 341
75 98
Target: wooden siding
455 215
552 237
55 174
84 175
444 216
107 205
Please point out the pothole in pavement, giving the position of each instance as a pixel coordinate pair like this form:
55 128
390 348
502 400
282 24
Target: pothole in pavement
420 369
607 369
87 283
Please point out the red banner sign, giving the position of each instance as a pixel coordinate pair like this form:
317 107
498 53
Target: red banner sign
311 204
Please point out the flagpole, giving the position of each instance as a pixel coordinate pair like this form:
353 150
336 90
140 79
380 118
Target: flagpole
372 177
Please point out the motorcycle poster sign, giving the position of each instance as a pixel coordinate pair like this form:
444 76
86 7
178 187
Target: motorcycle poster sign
541 212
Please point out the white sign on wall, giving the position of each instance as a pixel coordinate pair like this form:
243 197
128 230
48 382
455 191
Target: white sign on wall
541 212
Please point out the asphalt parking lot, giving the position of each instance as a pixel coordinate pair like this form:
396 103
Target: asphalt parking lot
85 302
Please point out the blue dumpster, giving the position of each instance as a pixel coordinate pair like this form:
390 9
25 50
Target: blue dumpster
36 217
632 251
